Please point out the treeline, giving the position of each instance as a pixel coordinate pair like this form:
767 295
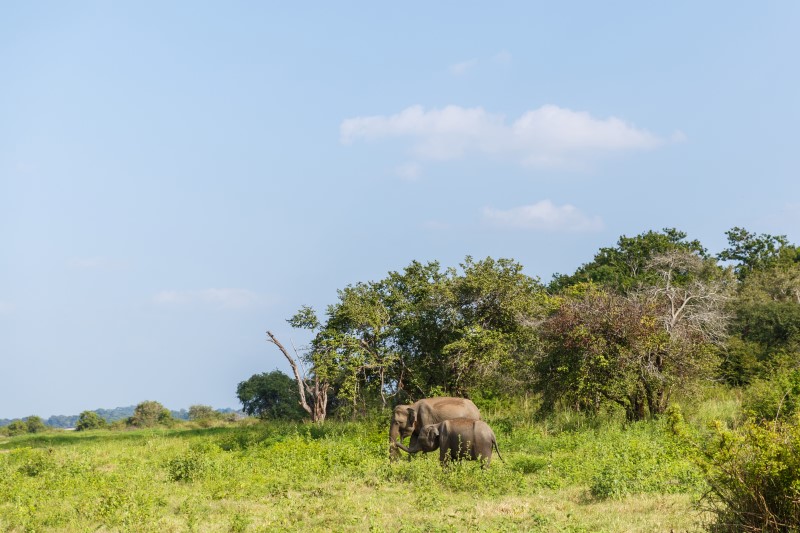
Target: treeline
646 319
109 416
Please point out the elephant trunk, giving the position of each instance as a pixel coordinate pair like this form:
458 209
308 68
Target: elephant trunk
394 435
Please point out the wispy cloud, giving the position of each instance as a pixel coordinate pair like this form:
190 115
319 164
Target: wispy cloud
220 298
461 68
543 216
502 58
548 136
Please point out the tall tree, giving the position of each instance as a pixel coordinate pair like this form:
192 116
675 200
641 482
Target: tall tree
752 252
623 267
634 349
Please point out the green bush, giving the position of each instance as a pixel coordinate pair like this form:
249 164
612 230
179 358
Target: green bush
754 475
149 414
35 424
189 466
89 420
17 427
777 398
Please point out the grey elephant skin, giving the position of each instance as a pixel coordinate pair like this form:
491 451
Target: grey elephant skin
461 438
408 420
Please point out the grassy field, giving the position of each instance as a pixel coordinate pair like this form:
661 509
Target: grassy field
566 474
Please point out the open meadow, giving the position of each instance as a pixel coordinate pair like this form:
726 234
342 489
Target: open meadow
566 473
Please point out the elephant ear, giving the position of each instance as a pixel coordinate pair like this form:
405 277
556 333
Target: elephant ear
412 416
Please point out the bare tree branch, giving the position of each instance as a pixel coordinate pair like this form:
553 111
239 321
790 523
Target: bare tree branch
301 385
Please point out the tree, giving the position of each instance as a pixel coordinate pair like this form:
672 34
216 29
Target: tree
17 427
753 252
495 308
90 420
270 395
313 384
624 267
634 349
149 414
359 332
766 324
599 343
35 424
203 412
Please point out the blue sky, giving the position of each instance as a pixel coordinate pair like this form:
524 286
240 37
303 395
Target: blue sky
177 178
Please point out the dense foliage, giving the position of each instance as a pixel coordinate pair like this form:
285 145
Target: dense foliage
271 395
90 420
649 317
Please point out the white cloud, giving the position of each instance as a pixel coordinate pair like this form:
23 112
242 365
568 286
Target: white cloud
543 216
547 136
222 298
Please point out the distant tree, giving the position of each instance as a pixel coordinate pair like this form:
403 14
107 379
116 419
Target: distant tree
35 424
271 395
203 412
149 414
89 420
17 427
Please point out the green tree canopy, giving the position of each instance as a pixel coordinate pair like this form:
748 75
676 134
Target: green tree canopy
751 252
35 424
623 267
149 414
271 395
202 412
90 420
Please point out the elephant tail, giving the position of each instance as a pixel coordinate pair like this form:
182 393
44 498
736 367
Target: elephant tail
494 443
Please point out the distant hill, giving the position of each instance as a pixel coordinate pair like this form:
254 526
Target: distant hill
110 415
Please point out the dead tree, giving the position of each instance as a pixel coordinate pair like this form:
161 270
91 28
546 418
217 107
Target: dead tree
313 388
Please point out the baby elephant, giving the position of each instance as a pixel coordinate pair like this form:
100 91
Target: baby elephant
459 438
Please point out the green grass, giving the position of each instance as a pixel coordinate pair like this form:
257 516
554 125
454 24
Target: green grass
559 476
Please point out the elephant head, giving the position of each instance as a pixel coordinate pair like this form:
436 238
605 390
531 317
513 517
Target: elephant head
428 439
401 426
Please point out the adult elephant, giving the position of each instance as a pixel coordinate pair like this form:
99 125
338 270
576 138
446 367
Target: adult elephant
408 420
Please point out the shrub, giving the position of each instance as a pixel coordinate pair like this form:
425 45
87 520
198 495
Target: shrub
754 477
17 427
189 466
203 412
89 420
777 398
35 424
149 414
